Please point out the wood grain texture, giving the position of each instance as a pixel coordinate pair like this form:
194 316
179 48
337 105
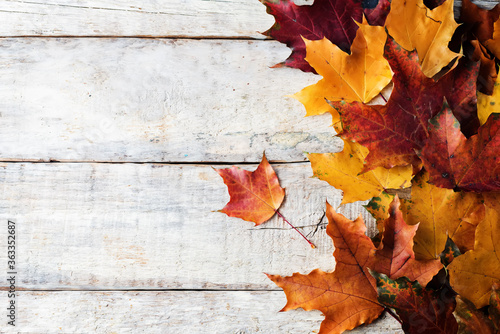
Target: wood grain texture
172 18
147 100
196 312
150 226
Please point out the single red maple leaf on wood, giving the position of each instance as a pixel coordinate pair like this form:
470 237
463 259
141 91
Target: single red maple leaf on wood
395 131
255 196
333 19
456 162
348 296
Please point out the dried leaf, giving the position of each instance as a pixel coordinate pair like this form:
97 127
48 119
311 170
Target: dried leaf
342 170
441 213
450 252
347 297
376 15
473 274
420 310
494 308
333 19
394 131
488 104
456 162
479 21
358 76
487 70
459 89
255 196
471 320
493 44
379 207
414 26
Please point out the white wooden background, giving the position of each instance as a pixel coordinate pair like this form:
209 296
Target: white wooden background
111 116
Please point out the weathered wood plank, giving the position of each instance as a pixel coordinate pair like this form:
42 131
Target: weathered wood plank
134 226
241 312
150 100
178 18
173 18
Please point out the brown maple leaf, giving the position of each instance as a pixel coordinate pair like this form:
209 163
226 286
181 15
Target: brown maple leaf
487 76
420 310
456 162
471 320
478 21
348 296
493 44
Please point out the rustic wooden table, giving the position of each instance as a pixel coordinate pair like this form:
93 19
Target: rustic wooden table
112 116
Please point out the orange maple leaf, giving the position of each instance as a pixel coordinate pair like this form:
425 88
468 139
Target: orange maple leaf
255 196
348 296
473 274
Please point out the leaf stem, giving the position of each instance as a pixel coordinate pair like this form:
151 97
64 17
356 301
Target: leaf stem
303 236
383 97
388 310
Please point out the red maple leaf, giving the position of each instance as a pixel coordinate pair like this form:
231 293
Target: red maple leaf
255 196
454 161
395 131
376 15
294 22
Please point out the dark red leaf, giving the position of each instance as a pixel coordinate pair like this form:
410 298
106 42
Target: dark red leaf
459 88
393 132
420 310
478 21
456 162
333 19
487 71
376 11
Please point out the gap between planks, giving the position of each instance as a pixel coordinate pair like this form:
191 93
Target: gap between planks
139 290
177 37
169 163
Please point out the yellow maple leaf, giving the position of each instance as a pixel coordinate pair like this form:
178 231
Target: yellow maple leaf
494 44
359 76
342 170
473 274
441 213
415 26
488 104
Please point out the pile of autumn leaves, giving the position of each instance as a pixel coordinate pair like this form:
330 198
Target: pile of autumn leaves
436 262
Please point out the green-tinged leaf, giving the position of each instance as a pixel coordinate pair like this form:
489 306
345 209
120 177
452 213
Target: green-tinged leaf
420 310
